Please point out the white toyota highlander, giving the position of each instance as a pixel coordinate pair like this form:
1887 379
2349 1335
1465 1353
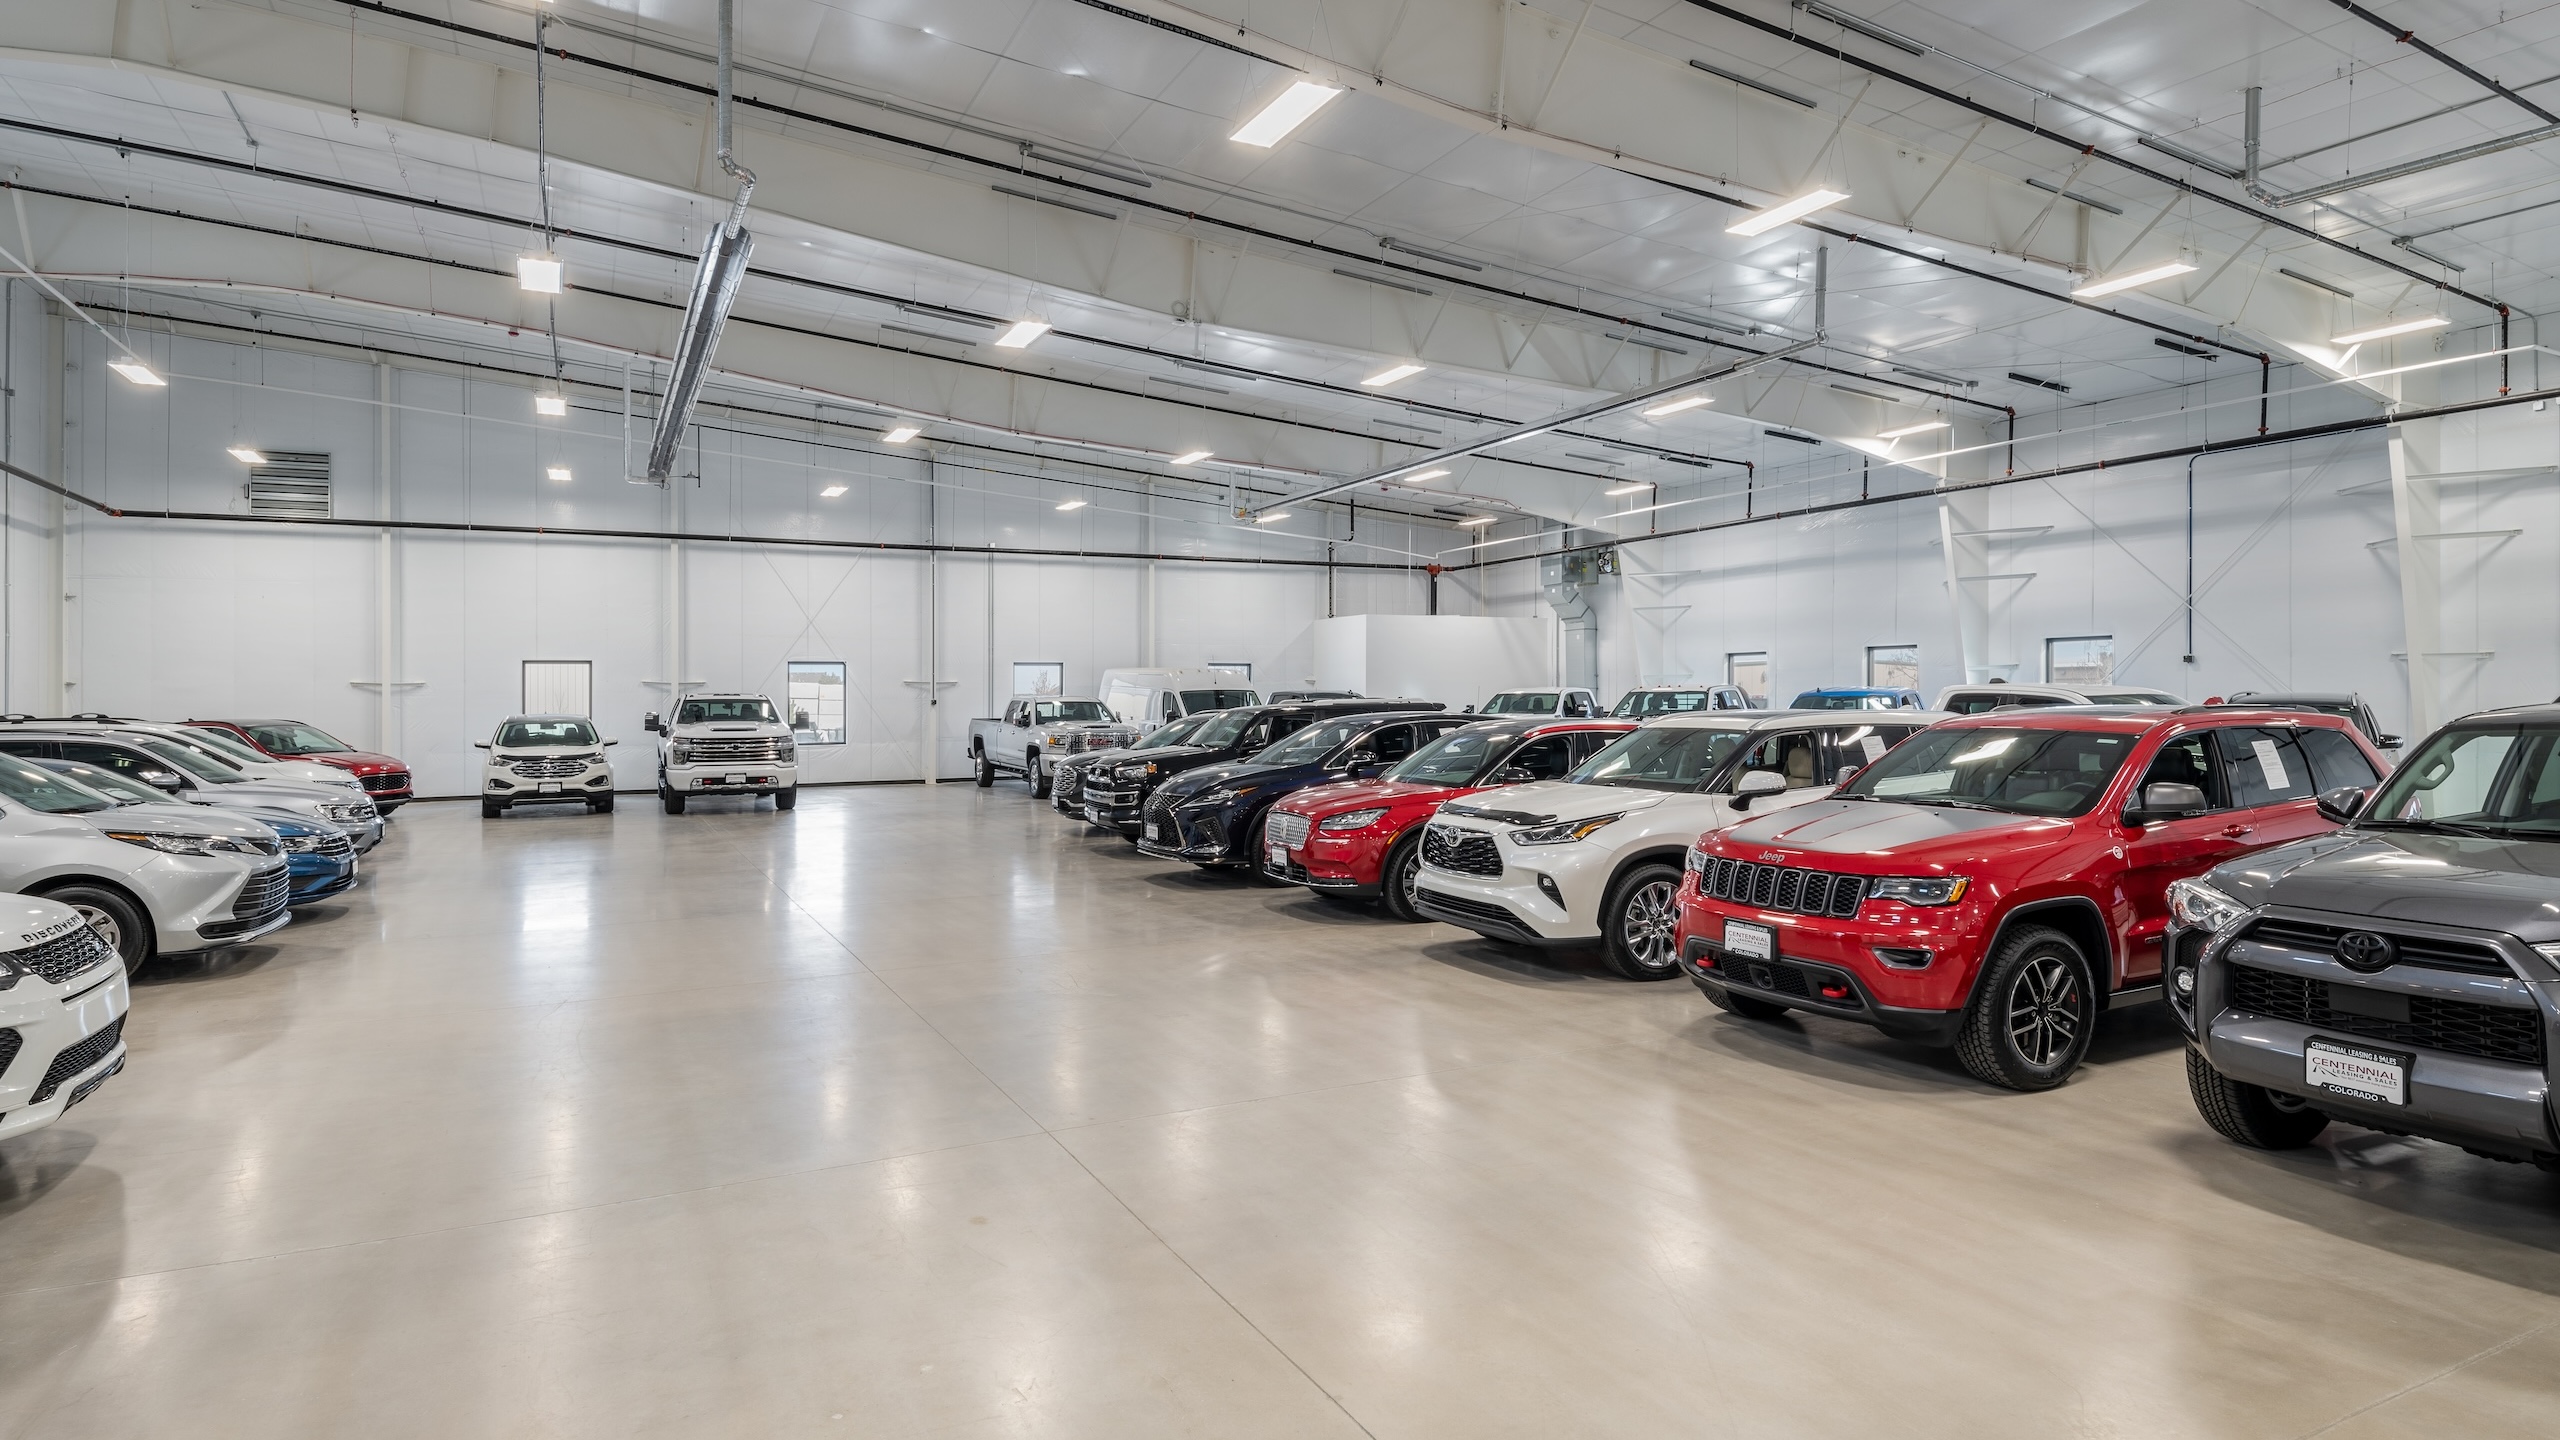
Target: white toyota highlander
1598 854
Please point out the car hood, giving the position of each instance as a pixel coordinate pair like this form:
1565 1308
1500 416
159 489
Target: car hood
543 752
170 817
1243 772
1921 834
727 728
1179 756
2507 885
287 793
302 772
26 920
1354 794
355 760
1548 801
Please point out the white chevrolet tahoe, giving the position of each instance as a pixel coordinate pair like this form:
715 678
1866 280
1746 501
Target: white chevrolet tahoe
725 745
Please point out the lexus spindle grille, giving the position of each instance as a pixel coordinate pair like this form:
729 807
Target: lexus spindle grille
1782 887
1464 852
59 960
77 1058
2459 1027
1286 829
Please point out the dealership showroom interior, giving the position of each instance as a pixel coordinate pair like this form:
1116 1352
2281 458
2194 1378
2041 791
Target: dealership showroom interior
1279 718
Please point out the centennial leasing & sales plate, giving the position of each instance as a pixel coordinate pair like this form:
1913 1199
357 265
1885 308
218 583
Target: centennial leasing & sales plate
2366 1074
1757 941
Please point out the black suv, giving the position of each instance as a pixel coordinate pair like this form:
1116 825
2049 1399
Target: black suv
2402 973
1116 798
1213 815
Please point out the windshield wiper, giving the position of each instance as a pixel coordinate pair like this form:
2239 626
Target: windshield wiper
1952 804
2449 827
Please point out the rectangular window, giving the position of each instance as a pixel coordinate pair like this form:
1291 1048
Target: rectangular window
1039 677
2080 660
817 701
559 687
1748 672
1243 668
1893 667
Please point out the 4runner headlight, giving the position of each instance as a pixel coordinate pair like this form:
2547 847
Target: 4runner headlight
182 844
2199 906
1566 832
1352 819
1919 889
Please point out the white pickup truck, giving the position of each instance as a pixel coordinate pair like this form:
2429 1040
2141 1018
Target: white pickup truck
1036 732
725 745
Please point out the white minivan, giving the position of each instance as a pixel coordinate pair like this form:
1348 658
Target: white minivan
1149 698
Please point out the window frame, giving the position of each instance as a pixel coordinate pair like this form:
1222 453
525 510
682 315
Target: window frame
2109 678
1875 682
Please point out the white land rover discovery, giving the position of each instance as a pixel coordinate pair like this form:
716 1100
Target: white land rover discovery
725 745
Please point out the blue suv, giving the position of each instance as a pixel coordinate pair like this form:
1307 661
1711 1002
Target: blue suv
1858 697
1216 811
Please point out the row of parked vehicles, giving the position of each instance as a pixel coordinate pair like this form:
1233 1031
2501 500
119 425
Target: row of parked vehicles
125 840
2337 935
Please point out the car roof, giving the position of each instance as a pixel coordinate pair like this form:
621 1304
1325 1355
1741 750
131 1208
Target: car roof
1857 690
2135 717
2305 697
1780 719
2547 712
510 720
1513 726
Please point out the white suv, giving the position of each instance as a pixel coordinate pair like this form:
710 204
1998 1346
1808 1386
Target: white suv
2001 695
725 745
1598 855
540 759
62 1003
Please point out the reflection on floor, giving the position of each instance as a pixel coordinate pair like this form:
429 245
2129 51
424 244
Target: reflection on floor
924 1112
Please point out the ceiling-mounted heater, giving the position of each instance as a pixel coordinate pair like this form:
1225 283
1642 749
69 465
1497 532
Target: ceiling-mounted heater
715 288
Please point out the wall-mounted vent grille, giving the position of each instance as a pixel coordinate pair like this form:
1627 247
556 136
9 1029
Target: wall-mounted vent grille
292 485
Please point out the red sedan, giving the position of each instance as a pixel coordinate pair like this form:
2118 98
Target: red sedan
383 778
1362 838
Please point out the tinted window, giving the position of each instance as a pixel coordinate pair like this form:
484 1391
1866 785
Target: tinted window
292 738
1550 757
1520 703
1860 747
2187 760
196 760
1311 744
2504 780
107 757
1174 734
1976 702
2263 765
1218 699
548 734
1456 758
1664 758
1223 729
1069 710
2336 761
2132 697
711 712
1636 704
1392 744
40 789
109 783
2030 772
1792 755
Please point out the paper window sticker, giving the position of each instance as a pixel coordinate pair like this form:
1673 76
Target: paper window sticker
2271 764
1873 745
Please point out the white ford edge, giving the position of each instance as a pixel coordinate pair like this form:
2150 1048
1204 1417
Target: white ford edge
1598 855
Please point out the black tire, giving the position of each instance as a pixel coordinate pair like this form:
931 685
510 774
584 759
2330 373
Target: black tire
1742 1005
114 915
1257 844
600 805
673 802
491 809
1641 923
2251 1115
786 799
986 768
2034 1009
1397 876
1034 776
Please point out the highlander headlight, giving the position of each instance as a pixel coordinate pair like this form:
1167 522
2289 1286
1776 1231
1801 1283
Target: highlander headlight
183 844
1565 833
1353 819
1919 889
680 753
2199 906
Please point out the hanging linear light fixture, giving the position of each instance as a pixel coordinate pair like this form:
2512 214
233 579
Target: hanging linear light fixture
1760 221
1391 375
2161 271
2385 332
1191 457
1922 428
247 456
1285 114
1674 407
715 289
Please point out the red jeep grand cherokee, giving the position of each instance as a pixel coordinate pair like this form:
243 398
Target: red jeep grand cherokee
1362 838
1992 883
383 778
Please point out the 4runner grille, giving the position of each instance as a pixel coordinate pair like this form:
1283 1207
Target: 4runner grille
1284 828
1465 852
732 750
2471 957
1782 887
2458 1027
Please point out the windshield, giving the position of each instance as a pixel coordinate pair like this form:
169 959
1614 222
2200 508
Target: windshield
38 789
1311 744
2503 780
1525 702
292 737
550 734
1222 729
2138 697
106 782
2025 772
197 760
1676 758
1663 702
1218 699
1456 758
226 745
1816 700
1173 734
1047 711
758 711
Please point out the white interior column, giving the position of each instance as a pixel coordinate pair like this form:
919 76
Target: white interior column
2415 522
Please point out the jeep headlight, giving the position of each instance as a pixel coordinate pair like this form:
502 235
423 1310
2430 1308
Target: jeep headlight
1696 863
1566 832
1353 819
182 844
1919 889
2199 906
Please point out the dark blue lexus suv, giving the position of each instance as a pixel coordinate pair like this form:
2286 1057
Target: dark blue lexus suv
1213 815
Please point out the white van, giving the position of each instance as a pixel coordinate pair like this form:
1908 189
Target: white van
1148 698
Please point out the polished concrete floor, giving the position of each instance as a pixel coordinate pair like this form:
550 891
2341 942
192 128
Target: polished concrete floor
920 1112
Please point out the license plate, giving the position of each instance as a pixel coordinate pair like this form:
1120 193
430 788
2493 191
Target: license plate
1757 941
733 780
2377 1075
548 787
1279 857
1093 813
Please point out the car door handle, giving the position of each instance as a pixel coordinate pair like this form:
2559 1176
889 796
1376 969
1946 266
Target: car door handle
2236 831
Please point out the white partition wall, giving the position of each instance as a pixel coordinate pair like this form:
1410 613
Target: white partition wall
1455 659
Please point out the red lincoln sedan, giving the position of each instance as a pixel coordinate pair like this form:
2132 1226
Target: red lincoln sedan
383 778
1362 838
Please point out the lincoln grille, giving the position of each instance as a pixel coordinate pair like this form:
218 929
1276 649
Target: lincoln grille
388 780
731 752
76 1059
1782 887
263 894
2458 1027
1467 852
59 960
2471 957
1287 829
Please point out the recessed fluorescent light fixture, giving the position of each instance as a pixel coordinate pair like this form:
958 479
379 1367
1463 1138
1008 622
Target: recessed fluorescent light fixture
247 456
1923 428
135 371
1512 439
1267 519
1392 374
1421 475
1022 334
2385 332
1285 114
1784 211
550 404
1628 489
831 492
1071 504
1479 520
538 273
2161 271
901 434
557 472
1192 457
1674 407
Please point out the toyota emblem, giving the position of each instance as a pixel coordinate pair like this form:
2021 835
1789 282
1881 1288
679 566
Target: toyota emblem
2364 951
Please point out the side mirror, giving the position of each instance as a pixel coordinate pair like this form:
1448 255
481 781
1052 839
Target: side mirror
1847 774
168 780
2167 800
1514 775
479 744
1467 710
1362 762
2387 742
1757 783
2340 805
613 742
649 722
